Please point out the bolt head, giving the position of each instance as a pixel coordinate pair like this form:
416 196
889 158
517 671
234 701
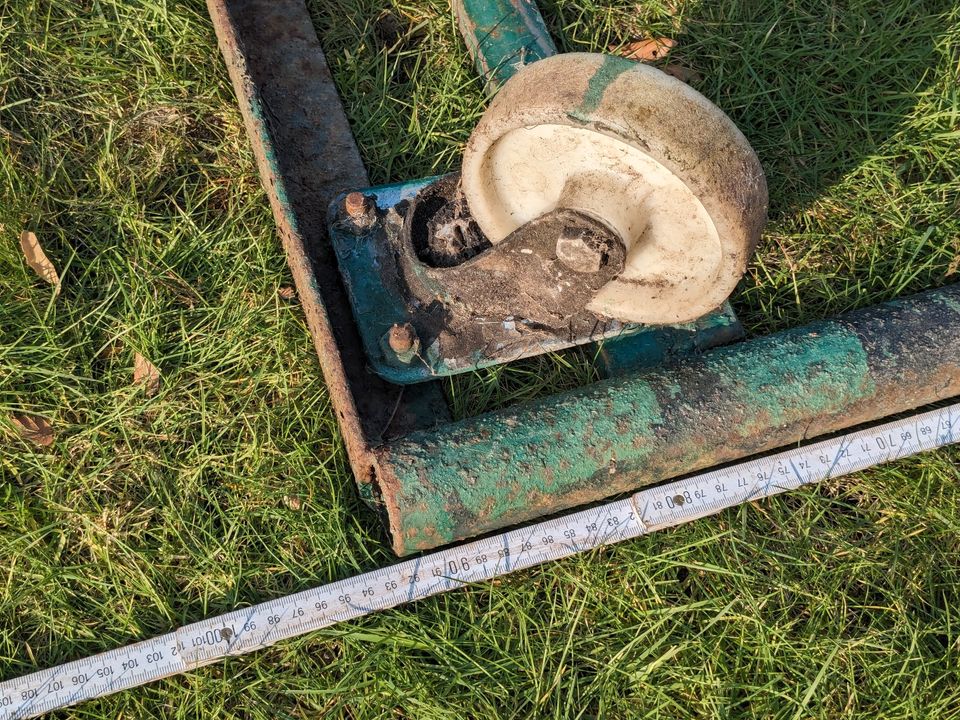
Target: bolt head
580 250
401 338
355 205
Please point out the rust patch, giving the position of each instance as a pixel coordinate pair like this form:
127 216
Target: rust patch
306 156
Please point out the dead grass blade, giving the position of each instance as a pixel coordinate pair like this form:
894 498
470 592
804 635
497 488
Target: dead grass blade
38 260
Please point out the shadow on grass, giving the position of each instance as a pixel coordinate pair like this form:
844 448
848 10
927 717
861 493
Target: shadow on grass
817 87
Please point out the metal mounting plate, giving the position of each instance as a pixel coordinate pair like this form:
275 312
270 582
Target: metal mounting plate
368 264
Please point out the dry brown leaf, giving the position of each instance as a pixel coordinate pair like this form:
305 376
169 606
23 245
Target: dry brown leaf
145 373
287 292
645 50
38 260
34 428
684 74
111 350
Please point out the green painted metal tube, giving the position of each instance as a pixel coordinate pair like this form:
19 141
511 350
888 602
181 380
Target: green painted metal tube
502 36
511 466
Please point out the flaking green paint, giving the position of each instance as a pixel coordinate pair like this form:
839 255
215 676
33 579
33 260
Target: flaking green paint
502 36
821 370
525 462
610 69
500 468
951 302
514 465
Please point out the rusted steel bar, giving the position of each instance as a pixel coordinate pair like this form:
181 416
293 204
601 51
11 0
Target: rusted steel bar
306 155
511 466
502 36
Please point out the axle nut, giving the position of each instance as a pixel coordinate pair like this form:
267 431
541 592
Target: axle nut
580 250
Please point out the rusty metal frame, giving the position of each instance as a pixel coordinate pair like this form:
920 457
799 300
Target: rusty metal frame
439 481
306 155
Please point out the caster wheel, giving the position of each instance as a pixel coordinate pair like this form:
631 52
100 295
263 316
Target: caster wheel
637 150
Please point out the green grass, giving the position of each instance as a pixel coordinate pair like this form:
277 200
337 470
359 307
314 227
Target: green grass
122 148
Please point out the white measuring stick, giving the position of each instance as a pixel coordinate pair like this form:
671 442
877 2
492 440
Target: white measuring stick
649 510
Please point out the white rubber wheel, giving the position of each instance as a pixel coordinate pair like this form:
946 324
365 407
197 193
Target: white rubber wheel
638 150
